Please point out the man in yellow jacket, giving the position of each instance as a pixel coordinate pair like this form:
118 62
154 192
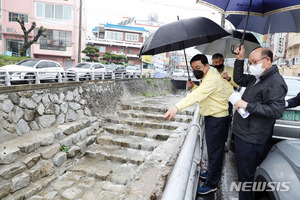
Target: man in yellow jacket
213 103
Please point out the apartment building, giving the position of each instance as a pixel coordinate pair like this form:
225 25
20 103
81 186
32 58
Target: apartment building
120 40
59 17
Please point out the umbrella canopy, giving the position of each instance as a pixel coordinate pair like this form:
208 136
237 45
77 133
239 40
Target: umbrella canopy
259 7
182 34
288 21
223 45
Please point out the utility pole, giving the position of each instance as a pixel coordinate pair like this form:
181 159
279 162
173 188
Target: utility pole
79 36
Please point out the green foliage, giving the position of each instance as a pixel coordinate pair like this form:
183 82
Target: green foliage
164 93
155 84
166 81
9 60
117 59
146 94
91 52
149 81
64 148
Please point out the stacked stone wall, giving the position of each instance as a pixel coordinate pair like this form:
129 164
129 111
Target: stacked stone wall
37 121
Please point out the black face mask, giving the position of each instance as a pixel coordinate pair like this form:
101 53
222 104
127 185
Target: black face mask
219 66
198 74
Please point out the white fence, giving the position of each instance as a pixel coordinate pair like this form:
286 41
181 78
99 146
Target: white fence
36 77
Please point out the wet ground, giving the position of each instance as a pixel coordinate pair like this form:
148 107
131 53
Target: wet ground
229 175
132 155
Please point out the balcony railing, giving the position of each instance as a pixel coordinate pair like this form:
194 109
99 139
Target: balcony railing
114 42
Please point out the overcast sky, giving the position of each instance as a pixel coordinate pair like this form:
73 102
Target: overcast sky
112 11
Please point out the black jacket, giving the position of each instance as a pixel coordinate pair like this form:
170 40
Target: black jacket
294 102
265 103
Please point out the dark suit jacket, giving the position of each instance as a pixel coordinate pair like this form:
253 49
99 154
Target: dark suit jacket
294 102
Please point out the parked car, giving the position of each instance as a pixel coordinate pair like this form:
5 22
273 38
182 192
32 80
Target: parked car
26 70
178 73
288 127
116 68
281 172
132 71
85 70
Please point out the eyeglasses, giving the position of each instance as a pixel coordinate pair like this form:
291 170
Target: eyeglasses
197 67
254 62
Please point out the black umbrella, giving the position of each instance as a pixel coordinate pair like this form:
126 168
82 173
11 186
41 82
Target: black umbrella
182 34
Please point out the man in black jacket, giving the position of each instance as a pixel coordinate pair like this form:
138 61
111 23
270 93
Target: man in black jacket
264 100
293 102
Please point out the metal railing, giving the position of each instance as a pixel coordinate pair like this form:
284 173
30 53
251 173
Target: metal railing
184 178
35 77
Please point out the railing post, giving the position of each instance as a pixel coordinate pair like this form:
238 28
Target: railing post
76 76
93 76
37 78
178 183
7 78
59 77
103 77
113 76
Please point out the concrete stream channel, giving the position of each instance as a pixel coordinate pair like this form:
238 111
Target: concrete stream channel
124 154
132 155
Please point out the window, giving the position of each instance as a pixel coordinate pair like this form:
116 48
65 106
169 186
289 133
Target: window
52 11
131 37
110 35
129 51
122 51
11 17
101 48
56 40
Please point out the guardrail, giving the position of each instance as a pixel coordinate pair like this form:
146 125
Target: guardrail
184 178
35 77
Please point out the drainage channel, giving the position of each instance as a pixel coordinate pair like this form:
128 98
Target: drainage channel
132 156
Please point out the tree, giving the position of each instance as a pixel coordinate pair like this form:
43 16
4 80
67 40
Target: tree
109 57
27 42
91 53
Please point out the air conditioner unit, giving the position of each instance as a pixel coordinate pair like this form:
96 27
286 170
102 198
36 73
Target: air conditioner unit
114 52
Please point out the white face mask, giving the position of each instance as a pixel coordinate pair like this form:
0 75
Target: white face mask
256 70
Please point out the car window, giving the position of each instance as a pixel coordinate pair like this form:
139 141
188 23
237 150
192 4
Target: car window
42 65
98 66
28 63
51 64
83 65
293 86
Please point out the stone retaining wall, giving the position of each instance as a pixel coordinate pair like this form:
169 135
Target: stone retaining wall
36 120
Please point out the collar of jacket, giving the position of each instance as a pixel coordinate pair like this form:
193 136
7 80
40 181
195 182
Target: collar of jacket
272 70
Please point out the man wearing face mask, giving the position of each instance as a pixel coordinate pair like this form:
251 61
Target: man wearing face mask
264 100
213 105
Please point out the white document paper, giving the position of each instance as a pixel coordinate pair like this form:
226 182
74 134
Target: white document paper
233 99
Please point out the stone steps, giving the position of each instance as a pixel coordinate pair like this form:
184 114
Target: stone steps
142 123
121 129
105 170
133 142
152 116
116 154
36 157
147 109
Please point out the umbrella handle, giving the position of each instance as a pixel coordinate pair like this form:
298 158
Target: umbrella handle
233 48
